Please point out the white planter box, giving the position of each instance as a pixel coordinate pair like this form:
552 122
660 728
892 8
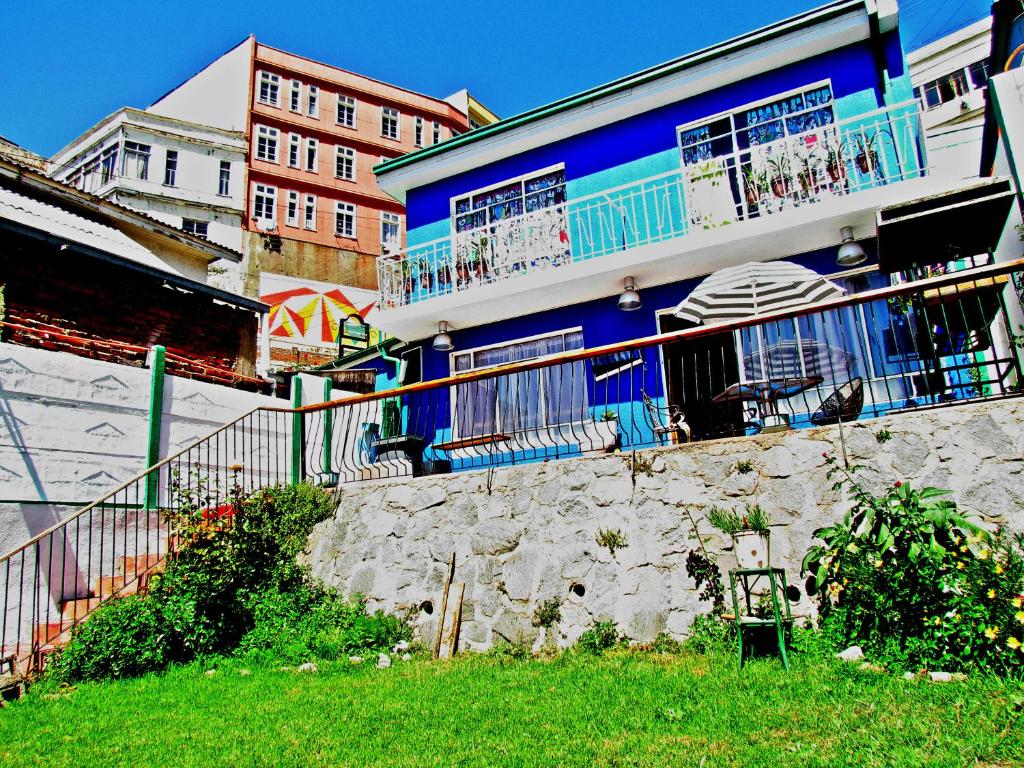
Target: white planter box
753 549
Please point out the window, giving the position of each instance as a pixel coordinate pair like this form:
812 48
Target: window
266 143
295 100
313 101
419 132
390 225
136 160
270 87
346 111
108 164
224 184
389 123
293 209
170 168
345 163
344 220
309 214
264 203
437 132
953 86
514 198
193 227
311 152
294 143
91 175
521 401
473 124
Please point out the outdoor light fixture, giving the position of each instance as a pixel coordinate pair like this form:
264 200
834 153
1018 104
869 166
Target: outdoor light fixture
630 299
850 253
442 341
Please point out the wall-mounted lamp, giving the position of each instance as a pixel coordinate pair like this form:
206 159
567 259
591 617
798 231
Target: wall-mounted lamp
850 253
442 341
629 300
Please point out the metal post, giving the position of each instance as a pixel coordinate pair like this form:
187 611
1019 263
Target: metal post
156 408
298 462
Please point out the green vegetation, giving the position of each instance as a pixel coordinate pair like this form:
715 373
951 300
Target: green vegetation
233 587
883 436
916 584
611 539
620 709
744 466
602 636
548 613
730 521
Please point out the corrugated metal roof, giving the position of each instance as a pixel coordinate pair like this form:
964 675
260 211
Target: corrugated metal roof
61 222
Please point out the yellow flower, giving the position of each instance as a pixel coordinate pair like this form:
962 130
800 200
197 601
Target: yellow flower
999 569
963 548
959 566
1018 601
1019 616
937 621
983 555
992 633
1013 642
975 538
991 594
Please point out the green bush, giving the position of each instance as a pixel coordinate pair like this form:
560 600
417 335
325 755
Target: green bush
916 584
602 636
127 637
229 588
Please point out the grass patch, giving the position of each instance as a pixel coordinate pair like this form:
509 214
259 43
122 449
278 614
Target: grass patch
621 709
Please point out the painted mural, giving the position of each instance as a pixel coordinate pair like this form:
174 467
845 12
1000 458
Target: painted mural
310 315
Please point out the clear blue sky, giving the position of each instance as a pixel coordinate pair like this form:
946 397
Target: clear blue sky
68 64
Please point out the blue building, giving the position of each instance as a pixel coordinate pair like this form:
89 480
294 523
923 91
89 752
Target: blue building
779 144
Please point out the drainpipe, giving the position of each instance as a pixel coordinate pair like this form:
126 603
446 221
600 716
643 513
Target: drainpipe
157 364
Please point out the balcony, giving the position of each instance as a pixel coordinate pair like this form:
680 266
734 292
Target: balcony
810 180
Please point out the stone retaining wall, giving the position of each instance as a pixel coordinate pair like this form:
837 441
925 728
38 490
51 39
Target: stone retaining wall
526 534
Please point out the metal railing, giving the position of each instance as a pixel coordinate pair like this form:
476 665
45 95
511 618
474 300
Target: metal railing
834 160
941 341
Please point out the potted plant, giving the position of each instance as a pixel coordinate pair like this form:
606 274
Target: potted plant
750 534
867 154
755 184
779 172
835 160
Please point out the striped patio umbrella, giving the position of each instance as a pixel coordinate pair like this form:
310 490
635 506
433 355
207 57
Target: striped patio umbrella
754 289
791 359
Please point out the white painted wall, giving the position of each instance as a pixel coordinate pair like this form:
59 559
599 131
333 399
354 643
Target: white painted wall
218 95
73 429
953 130
195 193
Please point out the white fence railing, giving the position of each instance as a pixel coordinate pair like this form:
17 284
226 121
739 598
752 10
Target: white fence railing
872 150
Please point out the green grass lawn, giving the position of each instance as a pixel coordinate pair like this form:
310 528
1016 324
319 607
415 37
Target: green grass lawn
625 709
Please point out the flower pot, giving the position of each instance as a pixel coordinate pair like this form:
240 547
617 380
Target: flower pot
863 164
752 548
780 187
835 170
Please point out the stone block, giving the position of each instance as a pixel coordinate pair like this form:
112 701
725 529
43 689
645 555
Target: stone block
495 537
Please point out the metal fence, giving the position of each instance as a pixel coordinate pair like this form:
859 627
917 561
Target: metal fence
934 342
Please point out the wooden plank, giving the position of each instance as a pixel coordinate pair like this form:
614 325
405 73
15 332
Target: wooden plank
444 604
471 442
453 634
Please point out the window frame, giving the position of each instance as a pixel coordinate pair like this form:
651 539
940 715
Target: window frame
170 167
224 179
195 225
452 215
272 81
295 151
291 214
135 150
295 97
346 209
436 132
418 132
270 137
309 207
385 115
269 192
313 101
340 150
312 157
349 103
396 223
498 426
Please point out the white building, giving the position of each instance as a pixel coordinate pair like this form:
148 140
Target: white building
949 77
182 173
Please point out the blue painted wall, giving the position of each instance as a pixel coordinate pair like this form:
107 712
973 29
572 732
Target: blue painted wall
644 140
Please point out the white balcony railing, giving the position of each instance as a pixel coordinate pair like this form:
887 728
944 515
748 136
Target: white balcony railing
872 150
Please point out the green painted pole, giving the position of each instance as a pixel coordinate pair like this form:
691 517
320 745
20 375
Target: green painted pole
328 429
156 414
298 434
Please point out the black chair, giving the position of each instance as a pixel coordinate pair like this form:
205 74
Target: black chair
666 420
845 404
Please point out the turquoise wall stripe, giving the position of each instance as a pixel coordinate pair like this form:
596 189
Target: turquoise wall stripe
428 232
627 173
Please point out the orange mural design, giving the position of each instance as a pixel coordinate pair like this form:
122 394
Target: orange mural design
303 314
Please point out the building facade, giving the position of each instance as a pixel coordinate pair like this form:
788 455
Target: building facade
795 142
312 209
950 77
188 175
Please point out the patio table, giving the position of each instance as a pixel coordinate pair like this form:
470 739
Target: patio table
766 393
